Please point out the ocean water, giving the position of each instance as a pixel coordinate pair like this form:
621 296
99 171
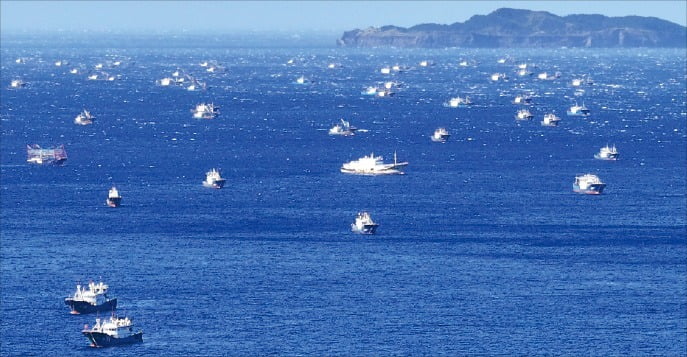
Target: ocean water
482 248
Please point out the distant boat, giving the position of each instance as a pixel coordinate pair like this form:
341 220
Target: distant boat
578 110
524 114
550 119
548 77
385 70
522 100
17 83
372 166
588 184
302 80
364 224
344 129
609 153
114 199
458 102
54 156
205 111
94 299
84 118
440 135
213 179
498 76
426 63
112 332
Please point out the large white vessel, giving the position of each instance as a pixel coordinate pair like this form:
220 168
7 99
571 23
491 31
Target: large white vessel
84 118
373 165
524 114
440 135
205 111
588 184
364 224
94 299
550 119
344 129
607 153
213 179
112 332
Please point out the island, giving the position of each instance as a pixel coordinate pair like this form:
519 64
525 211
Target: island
506 28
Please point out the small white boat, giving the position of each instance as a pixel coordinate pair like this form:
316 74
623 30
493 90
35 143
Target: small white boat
369 91
84 118
609 153
213 179
522 100
550 119
588 184
114 199
205 111
385 70
426 63
364 224
524 114
372 166
302 80
498 77
17 83
576 82
74 71
458 102
440 135
93 77
578 110
343 129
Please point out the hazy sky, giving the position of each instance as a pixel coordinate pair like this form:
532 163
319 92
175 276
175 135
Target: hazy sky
217 16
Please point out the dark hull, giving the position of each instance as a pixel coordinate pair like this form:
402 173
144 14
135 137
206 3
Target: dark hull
114 201
99 339
82 307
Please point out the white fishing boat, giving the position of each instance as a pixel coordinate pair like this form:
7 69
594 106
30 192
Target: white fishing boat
93 299
578 110
302 80
524 114
458 102
440 135
609 153
213 179
364 224
17 83
588 184
114 331
522 100
343 129
372 166
84 118
550 119
385 70
205 111
37 155
114 199
498 77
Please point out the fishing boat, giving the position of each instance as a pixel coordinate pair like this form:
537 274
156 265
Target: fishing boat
524 114
522 100
114 199
609 153
40 156
369 91
372 166
114 331
550 119
344 129
588 184
213 179
205 111
578 110
93 299
364 224
458 102
302 80
498 77
84 118
17 83
440 135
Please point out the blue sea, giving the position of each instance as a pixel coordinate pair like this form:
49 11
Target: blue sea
482 249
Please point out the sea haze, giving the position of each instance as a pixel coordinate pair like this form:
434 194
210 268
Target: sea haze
482 247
